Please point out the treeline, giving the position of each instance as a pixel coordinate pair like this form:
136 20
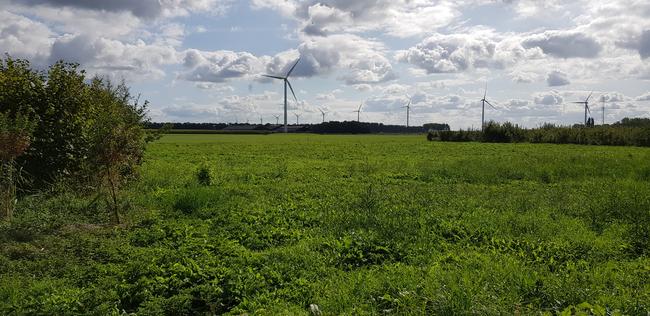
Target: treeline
187 126
627 132
333 127
61 129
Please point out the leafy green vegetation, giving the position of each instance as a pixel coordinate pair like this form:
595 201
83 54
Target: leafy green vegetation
83 129
58 128
627 132
290 224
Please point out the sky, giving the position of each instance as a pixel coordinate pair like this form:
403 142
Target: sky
202 60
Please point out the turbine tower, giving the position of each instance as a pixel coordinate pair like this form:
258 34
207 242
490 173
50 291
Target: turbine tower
322 112
586 103
286 83
408 110
483 101
358 111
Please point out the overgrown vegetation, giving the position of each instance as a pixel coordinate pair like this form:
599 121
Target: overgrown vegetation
86 134
361 225
628 132
15 138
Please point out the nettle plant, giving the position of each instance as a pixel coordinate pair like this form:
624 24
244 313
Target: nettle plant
15 138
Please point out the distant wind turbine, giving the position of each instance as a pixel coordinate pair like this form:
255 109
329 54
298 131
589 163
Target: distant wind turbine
261 120
322 112
286 83
297 118
483 101
277 119
408 110
358 111
586 103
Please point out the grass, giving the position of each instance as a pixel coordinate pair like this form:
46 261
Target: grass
370 224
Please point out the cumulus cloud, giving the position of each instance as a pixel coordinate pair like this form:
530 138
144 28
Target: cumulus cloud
141 8
644 44
644 97
613 97
557 78
523 76
549 98
401 18
114 56
450 53
362 59
564 44
219 66
23 37
374 69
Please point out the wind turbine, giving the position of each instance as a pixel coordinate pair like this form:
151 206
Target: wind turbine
286 83
277 119
586 103
483 101
261 120
358 111
297 118
408 110
322 112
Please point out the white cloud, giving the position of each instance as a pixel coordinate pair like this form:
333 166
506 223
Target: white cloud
644 97
220 66
644 44
564 44
549 98
106 56
400 18
24 38
142 8
557 78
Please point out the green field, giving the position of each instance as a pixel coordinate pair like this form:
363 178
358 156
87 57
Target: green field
352 224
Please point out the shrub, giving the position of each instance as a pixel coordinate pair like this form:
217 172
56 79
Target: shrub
87 133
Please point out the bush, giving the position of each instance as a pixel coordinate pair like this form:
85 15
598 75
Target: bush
88 134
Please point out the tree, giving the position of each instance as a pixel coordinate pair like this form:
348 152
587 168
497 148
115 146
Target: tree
117 138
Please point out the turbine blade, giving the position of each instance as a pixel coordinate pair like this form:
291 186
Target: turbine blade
290 87
274 77
578 102
292 68
488 102
589 96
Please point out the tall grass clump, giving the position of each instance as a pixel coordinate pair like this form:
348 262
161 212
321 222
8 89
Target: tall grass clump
204 175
